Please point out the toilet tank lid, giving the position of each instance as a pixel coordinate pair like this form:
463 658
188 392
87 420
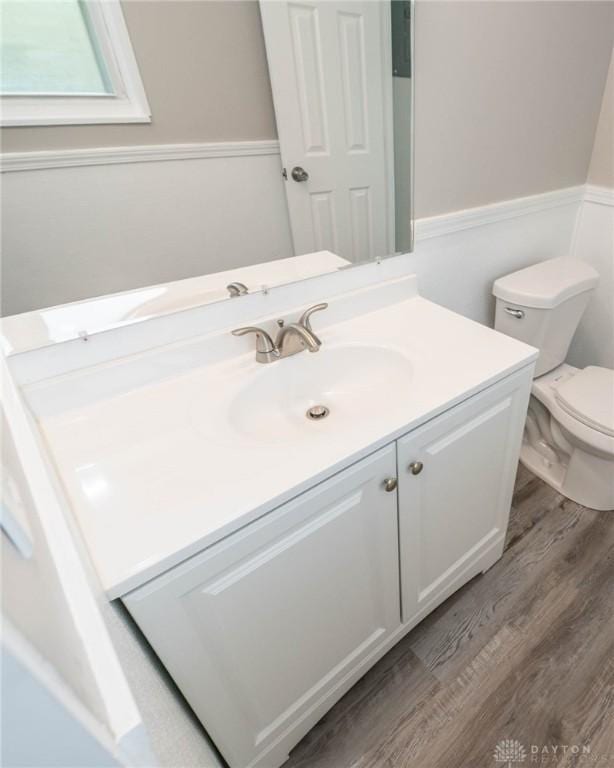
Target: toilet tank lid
546 284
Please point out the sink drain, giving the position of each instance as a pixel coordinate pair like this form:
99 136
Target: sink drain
317 412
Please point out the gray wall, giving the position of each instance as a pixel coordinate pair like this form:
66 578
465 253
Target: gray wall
507 98
204 69
507 93
593 343
601 170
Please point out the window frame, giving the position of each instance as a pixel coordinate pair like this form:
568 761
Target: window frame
126 104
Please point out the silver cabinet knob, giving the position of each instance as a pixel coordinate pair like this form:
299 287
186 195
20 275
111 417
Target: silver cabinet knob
390 484
415 467
299 174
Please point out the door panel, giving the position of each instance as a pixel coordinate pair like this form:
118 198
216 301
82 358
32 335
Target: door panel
323 219
355 100
458 505
361 223
307 46
257 629
337 127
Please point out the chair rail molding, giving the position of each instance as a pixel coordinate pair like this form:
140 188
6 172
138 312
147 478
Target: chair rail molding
145 153
456 221
600 195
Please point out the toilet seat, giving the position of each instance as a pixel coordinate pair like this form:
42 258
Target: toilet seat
589 397
546 389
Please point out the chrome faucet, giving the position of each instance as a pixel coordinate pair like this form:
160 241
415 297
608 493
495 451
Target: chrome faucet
290 340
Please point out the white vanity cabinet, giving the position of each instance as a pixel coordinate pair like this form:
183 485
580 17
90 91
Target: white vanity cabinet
266 629
456 478
259 629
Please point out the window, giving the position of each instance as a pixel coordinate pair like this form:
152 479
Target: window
70 62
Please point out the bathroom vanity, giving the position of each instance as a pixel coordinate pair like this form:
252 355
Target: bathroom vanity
270 559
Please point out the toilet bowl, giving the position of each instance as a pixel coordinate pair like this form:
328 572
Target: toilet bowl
569 433
565 442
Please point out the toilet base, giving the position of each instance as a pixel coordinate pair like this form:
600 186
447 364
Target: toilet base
556 475
552 454
553 474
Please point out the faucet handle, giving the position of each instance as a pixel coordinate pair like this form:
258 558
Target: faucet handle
304 318
266 350
264 343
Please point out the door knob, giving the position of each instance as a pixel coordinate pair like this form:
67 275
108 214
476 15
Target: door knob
415 467
390 484
299 174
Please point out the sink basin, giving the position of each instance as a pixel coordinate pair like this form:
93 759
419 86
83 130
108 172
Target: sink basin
355 383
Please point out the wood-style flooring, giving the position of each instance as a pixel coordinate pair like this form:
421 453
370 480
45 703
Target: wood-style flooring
524 651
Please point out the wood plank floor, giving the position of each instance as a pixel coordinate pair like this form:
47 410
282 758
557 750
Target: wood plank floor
525 651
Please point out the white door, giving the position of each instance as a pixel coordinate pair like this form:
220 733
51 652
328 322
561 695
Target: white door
262 629
456 477
330 63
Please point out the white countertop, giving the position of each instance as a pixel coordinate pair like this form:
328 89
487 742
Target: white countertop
153 477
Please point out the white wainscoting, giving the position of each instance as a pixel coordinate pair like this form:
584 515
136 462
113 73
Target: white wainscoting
151 214
458 256
593 343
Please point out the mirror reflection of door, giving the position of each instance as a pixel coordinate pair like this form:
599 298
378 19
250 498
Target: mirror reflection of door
175 210
330 64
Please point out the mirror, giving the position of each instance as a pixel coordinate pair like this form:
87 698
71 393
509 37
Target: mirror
159 155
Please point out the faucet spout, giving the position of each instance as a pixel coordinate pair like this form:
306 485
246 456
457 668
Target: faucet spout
294 338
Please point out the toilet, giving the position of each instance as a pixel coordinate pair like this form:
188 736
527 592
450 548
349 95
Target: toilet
569 433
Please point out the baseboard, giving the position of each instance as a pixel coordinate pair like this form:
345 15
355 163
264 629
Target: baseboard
71 158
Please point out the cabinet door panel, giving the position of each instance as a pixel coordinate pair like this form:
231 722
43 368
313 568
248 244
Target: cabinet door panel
259 628
457 507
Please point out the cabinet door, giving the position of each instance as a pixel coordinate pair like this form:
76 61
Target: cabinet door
260 628
453 513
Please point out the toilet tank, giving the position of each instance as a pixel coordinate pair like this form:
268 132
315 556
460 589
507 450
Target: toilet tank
542 306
